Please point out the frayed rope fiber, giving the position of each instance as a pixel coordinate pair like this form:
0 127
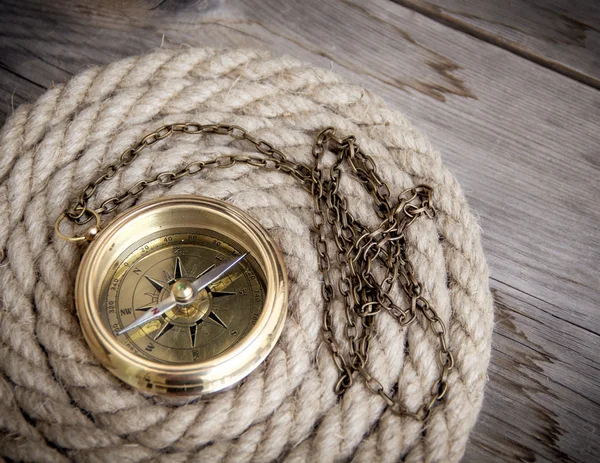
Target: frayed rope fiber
57 404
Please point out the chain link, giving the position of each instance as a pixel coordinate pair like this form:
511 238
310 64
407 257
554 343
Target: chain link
359 249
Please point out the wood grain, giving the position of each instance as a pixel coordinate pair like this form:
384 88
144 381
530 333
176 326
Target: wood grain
522 140
562 35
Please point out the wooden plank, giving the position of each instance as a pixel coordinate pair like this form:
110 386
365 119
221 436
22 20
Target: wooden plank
521 139
15 84
562 35
543 376
11 92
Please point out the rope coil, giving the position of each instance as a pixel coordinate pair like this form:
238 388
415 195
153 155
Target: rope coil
58 404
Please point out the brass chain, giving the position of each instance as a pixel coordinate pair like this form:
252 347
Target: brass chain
359 249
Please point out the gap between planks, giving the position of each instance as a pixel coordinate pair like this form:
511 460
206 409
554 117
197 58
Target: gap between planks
436 14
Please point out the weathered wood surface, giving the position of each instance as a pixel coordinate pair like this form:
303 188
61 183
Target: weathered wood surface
563 35
522 139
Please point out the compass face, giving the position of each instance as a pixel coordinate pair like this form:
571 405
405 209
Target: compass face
210 324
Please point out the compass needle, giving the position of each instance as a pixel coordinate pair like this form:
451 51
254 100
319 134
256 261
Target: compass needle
208 269
144 309
215 273
225 282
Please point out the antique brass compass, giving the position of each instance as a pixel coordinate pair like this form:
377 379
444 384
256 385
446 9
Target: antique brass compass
187 295
182 295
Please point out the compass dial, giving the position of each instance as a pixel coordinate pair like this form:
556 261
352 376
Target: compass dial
149 271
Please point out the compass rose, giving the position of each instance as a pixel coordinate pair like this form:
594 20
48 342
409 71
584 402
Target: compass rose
192 315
